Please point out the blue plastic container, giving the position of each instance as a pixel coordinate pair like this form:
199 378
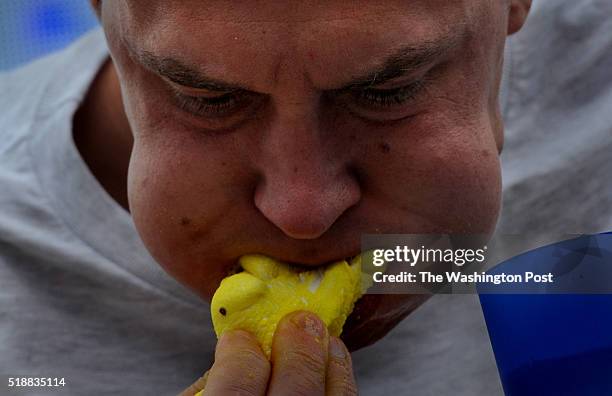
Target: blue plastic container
550 343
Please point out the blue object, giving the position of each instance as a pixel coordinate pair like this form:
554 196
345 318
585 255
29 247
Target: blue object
32 28
547 342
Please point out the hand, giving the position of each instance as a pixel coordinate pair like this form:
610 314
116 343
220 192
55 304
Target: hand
305 361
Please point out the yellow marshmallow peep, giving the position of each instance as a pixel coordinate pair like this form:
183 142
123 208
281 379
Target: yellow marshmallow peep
257 298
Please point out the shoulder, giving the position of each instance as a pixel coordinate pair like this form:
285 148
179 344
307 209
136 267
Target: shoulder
37 103
40 88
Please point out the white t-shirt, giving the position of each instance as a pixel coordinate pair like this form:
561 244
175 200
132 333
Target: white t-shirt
81 298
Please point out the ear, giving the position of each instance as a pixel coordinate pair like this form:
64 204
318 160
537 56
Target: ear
96 4
518 10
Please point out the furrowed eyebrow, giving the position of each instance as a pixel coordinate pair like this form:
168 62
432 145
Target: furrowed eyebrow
179 72
405 61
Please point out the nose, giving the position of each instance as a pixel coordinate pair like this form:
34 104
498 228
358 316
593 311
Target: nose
307 183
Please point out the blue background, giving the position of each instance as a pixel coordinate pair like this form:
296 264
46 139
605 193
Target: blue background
32 28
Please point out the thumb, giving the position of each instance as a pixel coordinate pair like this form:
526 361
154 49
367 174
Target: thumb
196 388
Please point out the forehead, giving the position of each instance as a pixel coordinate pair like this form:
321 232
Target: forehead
268 40
294 11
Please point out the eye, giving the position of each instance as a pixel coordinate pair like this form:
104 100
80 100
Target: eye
222 311
213 106
386 98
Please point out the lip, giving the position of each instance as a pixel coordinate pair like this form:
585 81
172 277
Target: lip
313 261
307 262
374 315
359 313
354 332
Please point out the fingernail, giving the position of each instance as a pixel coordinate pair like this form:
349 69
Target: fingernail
336 348
309 322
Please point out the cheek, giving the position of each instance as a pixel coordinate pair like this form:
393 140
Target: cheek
181 200
449 177
467 198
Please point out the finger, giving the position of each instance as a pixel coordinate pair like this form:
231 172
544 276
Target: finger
340 380
196 387
299 356
240 367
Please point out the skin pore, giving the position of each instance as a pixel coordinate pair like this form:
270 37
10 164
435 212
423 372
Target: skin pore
292 128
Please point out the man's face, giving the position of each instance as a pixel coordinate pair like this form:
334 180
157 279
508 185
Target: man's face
291 129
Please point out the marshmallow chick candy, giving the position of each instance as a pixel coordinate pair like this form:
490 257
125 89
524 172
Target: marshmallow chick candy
266 290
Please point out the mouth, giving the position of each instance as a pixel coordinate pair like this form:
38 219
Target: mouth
360 309
312 260
372 316
303 262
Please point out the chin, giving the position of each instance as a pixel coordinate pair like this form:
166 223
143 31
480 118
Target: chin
375 315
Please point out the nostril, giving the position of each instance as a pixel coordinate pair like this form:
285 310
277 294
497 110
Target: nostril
305 213
305 230
298 220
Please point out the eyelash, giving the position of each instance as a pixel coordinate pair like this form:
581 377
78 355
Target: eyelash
213 107
226 103
384 98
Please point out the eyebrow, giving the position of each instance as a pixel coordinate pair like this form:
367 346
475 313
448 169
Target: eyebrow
179 72
406 60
